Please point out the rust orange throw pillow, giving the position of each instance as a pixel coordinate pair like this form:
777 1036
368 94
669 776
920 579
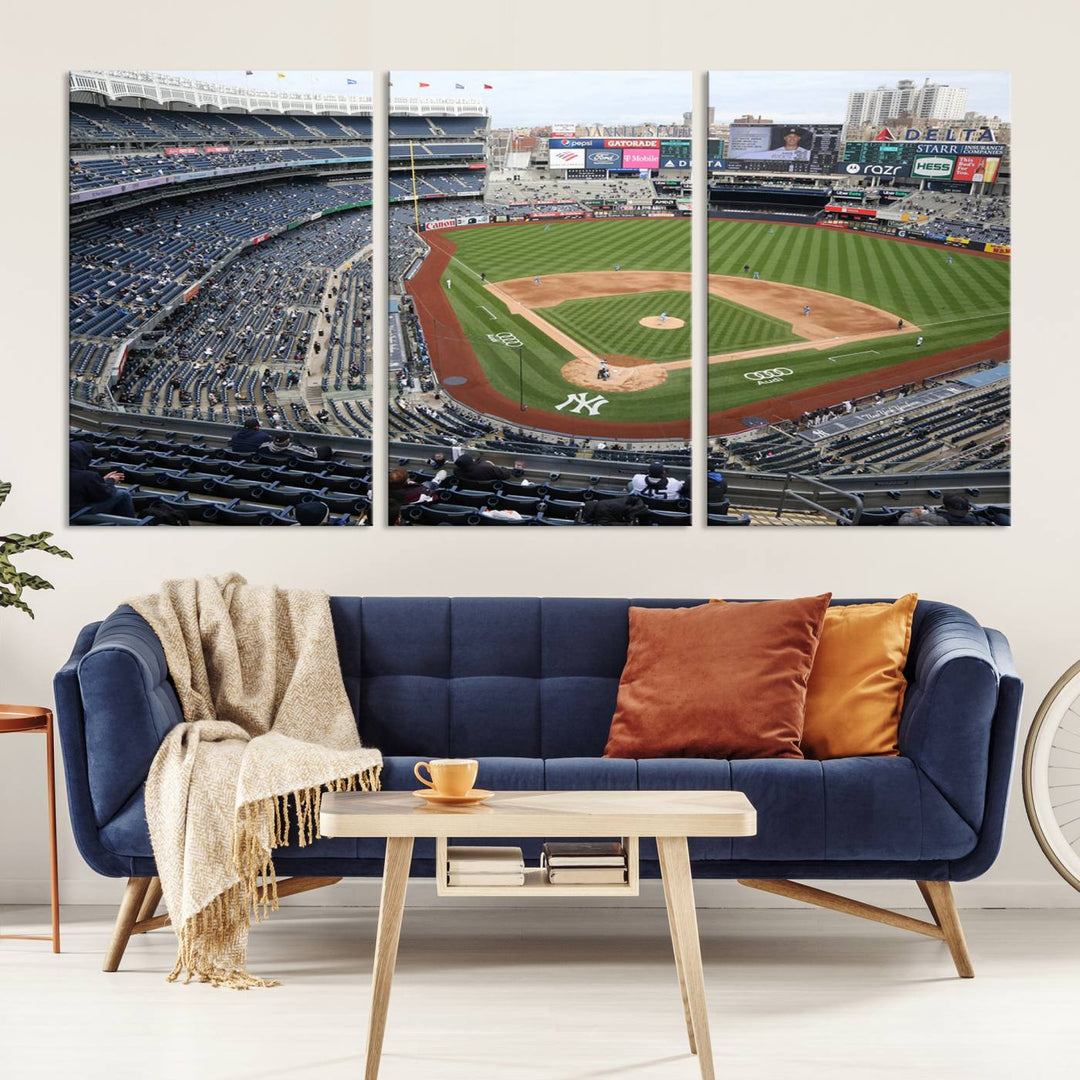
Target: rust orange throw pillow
718 680
857 687
856 690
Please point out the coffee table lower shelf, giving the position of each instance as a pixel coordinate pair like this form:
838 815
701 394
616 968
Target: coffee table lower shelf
536 883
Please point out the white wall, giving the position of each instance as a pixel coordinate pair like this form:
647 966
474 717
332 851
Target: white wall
1021 580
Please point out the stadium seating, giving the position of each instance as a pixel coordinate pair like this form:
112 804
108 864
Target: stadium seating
228 488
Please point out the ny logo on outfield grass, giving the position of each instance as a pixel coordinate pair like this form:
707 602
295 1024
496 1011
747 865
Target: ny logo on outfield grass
583 401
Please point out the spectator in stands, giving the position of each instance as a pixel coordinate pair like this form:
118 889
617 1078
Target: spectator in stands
957 510
89 491
655 483
248 439
717 492
922 515
469 469
282 445
311 512
403 490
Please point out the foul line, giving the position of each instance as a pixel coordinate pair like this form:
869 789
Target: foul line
848 355
968 318
490 312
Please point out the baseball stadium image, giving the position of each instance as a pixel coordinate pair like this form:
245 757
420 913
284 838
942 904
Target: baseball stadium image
540 299
220 298
872 252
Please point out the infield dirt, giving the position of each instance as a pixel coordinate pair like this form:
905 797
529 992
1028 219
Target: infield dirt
453 355
832 320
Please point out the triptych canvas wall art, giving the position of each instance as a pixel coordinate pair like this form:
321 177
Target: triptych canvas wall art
540 345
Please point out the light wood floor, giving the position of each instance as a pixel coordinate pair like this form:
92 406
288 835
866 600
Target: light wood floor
553 993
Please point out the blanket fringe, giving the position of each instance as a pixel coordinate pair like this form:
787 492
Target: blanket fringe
213 942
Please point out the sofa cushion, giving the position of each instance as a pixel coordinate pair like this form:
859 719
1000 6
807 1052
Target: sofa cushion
856 691
848 809
720 681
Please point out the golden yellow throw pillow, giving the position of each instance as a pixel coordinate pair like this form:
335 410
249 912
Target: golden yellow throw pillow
856 690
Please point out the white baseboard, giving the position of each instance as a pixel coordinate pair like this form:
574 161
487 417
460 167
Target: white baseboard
364 893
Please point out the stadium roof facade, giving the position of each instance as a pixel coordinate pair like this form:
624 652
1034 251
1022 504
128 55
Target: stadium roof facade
162 90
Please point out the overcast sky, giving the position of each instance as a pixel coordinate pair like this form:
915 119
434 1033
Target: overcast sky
821 96
528 98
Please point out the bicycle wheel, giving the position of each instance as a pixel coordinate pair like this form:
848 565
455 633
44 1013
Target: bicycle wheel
1052 776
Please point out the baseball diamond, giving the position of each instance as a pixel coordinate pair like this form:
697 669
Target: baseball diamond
555 287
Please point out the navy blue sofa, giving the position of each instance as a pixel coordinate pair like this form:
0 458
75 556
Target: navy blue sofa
528 686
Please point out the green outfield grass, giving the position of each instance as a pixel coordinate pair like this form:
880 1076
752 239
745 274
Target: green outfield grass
542 359
955 304
609 325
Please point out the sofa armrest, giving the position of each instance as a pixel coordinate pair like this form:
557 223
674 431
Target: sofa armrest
128 704
949 708
1003 743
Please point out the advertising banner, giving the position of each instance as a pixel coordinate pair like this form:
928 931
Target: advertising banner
576 144
191 293
563 130
967 167
633 144
566 158
932 168
171 150
963 241
855 211
641 157
604 159
215 149
445 223
861 168
474 219
998 249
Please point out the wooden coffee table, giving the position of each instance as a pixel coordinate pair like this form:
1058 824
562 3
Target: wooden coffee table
669 816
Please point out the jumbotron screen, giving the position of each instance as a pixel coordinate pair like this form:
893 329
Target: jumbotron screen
806 148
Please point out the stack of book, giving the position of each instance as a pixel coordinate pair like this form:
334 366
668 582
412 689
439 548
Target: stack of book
591 863
485 866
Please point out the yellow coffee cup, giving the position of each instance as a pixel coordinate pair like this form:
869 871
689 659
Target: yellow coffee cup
449 776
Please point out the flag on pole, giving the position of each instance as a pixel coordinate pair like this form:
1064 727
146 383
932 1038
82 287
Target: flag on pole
350 82
459 86
249 72
423 84
488 86
281 75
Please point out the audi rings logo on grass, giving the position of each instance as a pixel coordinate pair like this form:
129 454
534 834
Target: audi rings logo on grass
769 375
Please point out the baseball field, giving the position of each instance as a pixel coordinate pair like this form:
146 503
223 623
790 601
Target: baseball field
536 312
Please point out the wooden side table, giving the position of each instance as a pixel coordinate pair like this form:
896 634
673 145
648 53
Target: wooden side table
669 816
34 718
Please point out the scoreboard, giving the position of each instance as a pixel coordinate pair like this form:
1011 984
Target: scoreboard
969 162
796 148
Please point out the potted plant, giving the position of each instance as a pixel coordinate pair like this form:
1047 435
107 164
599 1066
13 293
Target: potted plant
12 580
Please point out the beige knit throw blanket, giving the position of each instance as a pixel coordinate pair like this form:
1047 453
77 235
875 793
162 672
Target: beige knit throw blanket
267 724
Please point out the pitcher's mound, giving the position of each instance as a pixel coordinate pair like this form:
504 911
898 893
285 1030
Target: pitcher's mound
653 322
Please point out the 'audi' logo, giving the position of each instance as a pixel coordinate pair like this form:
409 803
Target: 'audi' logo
769 375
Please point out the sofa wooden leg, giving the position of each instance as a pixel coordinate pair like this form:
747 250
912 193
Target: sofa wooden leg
134 894
150 902
937 894
942 904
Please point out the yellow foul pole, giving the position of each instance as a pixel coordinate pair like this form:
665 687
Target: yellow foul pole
415 196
